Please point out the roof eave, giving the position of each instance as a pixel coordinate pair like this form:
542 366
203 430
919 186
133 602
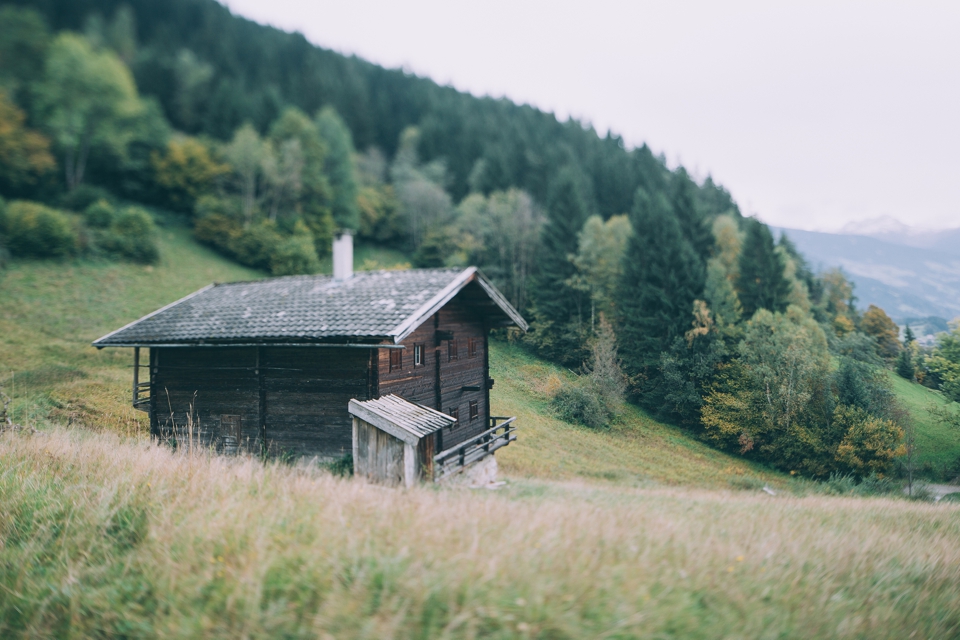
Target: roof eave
102 341
468 275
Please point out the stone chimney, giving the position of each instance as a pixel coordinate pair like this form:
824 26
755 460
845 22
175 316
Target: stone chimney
343 255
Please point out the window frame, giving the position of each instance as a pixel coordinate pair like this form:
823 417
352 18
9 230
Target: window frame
454 413
474 410
472 347
453 350
398 353
419 355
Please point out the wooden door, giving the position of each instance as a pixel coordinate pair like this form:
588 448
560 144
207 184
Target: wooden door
231 428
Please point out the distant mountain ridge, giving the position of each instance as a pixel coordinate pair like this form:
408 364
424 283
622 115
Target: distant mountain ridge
889 229
915 276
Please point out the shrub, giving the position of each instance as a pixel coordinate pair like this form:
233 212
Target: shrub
295 255
871 485
262 245
218 231
99 215
870 443
135 236
581 403
35 230
256 245
83 196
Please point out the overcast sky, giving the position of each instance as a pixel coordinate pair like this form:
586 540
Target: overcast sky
813 114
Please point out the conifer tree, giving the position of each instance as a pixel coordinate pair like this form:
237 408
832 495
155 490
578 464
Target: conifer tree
908 336
761 283
558 306
662 276
905 364
693 224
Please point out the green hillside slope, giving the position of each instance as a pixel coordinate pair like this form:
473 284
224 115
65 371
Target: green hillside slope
52 310
938 444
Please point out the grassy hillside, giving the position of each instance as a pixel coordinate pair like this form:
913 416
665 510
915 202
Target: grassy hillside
938 444
637 450
52 310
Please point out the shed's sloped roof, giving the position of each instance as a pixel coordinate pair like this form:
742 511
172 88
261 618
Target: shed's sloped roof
402 419
372 304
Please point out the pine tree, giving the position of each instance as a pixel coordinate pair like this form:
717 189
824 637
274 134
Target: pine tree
905 364
908 336
662 276
693 224
851 388
558 306
761 283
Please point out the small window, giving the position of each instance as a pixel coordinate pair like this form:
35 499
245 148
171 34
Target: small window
474 410
454 413
453 351
396 359
472 347
418 355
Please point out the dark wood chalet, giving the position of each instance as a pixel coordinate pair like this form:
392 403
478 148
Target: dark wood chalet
270 366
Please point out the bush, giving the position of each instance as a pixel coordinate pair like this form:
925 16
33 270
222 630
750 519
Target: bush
218 231
133 235
869 444
871 485
262 245
82 197
256 245
35 230
581 403
295 255
99 215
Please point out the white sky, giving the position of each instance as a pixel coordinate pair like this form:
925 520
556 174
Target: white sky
813 114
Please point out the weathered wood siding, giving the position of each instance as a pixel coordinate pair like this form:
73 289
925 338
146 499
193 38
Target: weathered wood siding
215 382
419 383
378 456
295 397
306 396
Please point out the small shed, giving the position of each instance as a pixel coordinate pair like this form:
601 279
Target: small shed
394 441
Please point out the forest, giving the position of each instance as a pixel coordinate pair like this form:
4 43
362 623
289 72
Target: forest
116 117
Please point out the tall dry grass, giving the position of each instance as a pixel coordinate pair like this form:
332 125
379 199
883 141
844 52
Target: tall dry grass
105 538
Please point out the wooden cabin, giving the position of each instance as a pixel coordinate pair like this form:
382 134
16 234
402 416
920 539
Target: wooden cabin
270 366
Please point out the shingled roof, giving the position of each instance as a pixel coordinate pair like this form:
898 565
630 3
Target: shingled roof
400 418
369 306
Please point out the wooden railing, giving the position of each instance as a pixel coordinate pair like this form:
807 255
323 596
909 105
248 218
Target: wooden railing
456 459
141 390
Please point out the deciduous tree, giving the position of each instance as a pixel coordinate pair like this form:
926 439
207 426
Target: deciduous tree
24 154
86 97
877 324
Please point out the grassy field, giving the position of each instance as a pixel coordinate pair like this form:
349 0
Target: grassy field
634 531
110 538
